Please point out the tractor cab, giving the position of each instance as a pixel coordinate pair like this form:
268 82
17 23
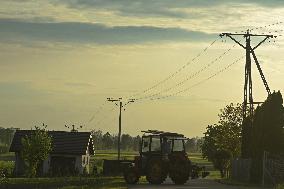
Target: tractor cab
159 143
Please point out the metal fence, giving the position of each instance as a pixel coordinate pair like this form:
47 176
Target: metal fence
241 169
273 168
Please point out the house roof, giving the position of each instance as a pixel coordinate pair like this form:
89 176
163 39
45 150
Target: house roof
62 142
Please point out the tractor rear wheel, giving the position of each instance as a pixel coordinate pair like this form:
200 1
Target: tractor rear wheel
156 172
131 175
179 169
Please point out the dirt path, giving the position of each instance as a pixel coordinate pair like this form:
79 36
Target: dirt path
192 184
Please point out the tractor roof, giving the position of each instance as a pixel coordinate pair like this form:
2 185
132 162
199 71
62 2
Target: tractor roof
162 133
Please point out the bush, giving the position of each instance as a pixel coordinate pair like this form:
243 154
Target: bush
6 168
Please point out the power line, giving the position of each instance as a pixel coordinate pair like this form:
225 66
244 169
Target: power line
97 112
262 27
191 61
191 76
177 71
161 82
201 82
104 117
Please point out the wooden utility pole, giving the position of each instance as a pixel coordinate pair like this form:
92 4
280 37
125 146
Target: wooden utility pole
119 120
119 131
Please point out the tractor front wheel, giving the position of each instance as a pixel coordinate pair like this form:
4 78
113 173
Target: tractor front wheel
131 175
156 171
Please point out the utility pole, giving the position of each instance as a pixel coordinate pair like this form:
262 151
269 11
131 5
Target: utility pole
248 96
248 79
121 105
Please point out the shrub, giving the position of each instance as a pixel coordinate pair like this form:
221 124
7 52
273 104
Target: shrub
6 168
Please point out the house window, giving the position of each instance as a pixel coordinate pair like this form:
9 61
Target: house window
145 144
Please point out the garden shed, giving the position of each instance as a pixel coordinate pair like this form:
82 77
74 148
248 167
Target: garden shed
70 155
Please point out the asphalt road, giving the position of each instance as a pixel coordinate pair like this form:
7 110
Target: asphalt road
191 184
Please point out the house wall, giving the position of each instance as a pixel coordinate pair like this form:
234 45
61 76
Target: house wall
81 162
46 165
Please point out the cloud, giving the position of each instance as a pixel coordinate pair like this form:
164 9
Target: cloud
88 33
161 8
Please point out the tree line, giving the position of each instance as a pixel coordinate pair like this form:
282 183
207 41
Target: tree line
103 141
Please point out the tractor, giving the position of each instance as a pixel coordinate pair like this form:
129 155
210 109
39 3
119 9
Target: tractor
162 154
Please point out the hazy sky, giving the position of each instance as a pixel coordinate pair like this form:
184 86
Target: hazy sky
61 59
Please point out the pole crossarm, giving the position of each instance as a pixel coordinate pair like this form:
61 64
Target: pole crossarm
114 100
246 34
268 36
230 36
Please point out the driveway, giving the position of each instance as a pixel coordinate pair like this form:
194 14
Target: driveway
191 184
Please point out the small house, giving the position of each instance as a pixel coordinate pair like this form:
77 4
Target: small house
70 155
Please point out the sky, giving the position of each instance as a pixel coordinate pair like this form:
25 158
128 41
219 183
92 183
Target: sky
61 59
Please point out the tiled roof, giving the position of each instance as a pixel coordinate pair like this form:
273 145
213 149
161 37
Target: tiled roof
62 142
